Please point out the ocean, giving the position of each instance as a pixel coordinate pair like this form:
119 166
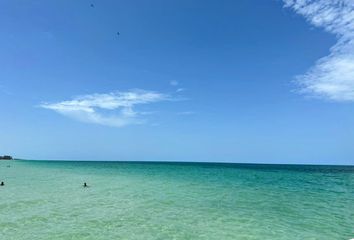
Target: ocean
47 200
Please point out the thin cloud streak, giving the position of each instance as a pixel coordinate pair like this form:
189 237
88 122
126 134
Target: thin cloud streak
180 90
89 108
186 113
332 77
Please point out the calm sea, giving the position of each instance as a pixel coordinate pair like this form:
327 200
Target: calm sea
46 200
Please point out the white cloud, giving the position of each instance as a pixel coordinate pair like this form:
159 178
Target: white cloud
332 77
93 108
180 90
174 83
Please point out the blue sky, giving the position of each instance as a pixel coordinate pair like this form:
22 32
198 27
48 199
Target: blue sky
237 81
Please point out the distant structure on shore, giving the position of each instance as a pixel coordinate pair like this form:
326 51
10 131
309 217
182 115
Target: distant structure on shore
6 157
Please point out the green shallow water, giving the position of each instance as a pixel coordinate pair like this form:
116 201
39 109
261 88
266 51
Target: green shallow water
46 200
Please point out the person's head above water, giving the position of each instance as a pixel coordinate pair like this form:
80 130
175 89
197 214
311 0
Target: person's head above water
85 185
2 184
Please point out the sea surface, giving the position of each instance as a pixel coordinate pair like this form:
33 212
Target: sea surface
46 200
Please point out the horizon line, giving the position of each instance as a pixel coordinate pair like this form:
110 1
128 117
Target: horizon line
185 162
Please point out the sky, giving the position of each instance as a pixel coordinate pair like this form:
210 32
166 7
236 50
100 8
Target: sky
251 81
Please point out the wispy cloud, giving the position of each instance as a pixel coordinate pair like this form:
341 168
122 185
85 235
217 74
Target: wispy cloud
174 83
180 90
332 77
112 109
186 113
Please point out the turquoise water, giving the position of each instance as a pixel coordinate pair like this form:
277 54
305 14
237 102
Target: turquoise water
46 200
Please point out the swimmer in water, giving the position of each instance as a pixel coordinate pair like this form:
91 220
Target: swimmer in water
85 185
2 184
